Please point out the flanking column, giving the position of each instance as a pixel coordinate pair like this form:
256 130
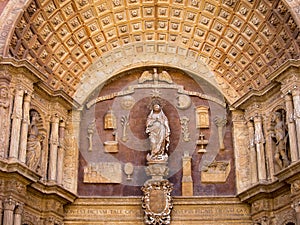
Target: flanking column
16 123
24 128
291 128
61 152
53 148
8 215
259 143
253 157
18 214
296 101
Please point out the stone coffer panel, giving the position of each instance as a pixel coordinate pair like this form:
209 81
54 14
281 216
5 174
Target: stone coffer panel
114 144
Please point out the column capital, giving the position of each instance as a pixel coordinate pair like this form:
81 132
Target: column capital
238 116
220 122
19 208
9 204
54 118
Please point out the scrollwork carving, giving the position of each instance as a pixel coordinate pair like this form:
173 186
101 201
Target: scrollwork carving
157 202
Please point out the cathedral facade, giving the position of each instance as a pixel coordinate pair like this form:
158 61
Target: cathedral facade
149 112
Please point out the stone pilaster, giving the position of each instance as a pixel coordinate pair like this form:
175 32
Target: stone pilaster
24 128
269 154
16 123
9 206
296 101
253 157
61 153
241 150
52 176
259 144
291 127
5 106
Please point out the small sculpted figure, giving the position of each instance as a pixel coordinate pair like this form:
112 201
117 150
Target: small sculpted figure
34 140
280 137
157 127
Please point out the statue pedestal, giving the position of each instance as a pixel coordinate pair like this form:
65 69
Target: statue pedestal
157 200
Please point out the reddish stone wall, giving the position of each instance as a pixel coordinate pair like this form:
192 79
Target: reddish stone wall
135 149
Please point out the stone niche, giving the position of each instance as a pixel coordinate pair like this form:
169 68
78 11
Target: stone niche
128 97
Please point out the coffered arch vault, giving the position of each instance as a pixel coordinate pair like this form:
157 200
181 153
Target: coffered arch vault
241 41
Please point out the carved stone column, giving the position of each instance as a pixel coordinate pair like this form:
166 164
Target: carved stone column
253 156
259 143
291 128
9 206
16 123
61 152
53 148
296 100
220 123
24 128
18 214
269 155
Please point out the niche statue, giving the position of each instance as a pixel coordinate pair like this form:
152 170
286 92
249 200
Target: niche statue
280 137
157 127
34 140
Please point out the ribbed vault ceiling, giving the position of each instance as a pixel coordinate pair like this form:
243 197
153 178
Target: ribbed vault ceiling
241 41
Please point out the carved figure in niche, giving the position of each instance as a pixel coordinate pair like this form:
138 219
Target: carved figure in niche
4 101
280 137
157 127
34 147
4 104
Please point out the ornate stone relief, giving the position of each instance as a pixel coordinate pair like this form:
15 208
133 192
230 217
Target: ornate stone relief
220 123
105 172
128 170
216 172
125 124
90 132
202 117
184 128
